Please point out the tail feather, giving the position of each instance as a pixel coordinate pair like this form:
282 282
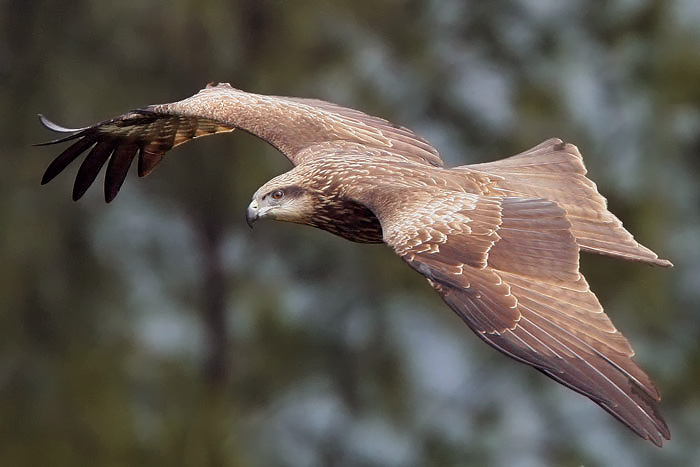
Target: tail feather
554 170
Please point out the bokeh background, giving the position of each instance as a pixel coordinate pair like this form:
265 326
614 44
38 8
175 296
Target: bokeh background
160 330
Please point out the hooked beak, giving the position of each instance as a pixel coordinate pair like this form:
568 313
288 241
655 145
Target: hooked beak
251 214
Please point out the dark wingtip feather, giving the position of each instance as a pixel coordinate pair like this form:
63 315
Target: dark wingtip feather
66 157
117 169
91 166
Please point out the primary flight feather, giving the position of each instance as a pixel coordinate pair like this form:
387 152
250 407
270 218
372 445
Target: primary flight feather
498 241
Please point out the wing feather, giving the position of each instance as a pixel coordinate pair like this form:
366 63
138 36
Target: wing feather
117 169
91 166
67 156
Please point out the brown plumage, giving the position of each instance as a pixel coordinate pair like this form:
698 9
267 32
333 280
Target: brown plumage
498 241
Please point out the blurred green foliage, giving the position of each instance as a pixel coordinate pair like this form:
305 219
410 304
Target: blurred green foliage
158 330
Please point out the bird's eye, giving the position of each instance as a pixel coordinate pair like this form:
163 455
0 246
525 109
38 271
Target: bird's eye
277 194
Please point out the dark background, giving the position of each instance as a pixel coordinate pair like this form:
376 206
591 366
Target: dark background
159 330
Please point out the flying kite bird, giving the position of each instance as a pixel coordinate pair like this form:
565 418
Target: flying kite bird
499 241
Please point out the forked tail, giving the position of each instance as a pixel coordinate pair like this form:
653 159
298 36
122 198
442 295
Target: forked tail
554 170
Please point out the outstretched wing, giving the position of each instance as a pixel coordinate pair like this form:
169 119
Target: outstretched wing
301 129
509 268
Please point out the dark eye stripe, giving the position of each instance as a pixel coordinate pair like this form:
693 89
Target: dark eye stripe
288 192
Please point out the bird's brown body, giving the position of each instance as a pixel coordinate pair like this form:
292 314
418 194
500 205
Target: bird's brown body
498 241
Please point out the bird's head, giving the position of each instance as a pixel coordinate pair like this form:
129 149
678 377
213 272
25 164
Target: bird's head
283 200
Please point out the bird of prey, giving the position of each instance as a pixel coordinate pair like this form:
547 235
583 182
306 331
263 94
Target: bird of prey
499 241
